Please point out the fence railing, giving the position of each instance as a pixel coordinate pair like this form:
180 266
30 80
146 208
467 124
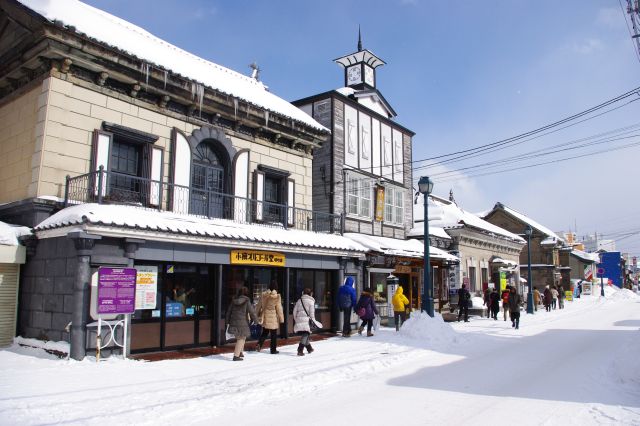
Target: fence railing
117 188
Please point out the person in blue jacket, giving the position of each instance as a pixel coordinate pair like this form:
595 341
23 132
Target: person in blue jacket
346 302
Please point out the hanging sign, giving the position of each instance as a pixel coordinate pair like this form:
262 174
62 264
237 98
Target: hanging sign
146 287
379 203
255 257
116 290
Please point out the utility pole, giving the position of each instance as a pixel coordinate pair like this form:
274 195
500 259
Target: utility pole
633 9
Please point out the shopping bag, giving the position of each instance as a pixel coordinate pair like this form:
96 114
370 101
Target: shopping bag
256 330
227 335
376 322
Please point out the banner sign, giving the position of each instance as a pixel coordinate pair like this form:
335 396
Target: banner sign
379 203
588 272
116 290
255 257
146 287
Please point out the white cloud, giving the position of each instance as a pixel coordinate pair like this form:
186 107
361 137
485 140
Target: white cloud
610 17
588 46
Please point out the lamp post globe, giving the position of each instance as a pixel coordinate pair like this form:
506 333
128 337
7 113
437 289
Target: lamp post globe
425 186
528 231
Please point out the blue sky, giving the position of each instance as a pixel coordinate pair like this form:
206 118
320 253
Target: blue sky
460 74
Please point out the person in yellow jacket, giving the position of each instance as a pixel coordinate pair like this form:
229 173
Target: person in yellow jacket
399 301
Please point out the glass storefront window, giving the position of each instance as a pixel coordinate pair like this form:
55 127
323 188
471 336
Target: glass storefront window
317 281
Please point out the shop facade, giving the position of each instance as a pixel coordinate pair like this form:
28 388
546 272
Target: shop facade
184 283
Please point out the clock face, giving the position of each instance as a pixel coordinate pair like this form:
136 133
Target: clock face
354 74
368 76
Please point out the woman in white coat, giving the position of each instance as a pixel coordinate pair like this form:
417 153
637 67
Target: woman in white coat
304 310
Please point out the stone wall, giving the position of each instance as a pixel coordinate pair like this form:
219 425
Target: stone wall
46 290
21 133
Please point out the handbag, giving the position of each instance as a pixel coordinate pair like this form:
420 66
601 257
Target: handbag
312 324
361 312
227 335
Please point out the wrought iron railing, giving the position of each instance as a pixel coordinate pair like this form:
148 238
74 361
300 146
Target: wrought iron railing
117 188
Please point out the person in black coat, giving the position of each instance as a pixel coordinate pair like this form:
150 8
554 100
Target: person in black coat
494 299
463 303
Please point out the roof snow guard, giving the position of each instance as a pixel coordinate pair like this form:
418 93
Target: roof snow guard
362 56
133 40
120 221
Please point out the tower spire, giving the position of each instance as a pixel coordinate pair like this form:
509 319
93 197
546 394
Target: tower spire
359 40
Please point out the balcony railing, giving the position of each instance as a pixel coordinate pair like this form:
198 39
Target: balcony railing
104 187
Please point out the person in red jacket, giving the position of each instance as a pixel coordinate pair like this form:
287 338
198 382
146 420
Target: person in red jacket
505 301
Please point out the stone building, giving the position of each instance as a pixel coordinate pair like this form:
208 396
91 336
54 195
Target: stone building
488 254
123 151
545 245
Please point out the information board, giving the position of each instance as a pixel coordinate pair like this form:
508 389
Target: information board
116 290
146 287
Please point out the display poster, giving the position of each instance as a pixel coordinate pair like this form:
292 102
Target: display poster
116 290
146 287
586 288
568 295
173 309
391 290
503 280
379 203
491 285
255 257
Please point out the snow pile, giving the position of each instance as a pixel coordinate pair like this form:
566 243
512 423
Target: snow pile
61 347
622 294
9 233
432 332
476 302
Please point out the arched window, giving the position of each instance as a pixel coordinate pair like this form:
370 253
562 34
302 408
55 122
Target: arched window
208 185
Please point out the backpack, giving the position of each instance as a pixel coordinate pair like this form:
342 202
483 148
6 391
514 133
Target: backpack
344 300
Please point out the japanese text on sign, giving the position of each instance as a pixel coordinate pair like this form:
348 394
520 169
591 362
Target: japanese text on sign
253 257
116 290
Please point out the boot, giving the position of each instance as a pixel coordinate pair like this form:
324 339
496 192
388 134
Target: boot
360 330
241 355
258 347
369 333
300 350
237 358
309 348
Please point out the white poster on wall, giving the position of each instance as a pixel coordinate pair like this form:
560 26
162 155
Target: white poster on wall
146 287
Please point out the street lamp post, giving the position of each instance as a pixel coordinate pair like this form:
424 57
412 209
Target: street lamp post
425 186
528 231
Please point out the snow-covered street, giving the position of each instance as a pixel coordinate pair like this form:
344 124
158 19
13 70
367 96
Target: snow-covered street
573 366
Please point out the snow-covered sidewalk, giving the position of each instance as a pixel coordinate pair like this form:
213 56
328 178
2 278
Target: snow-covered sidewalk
573 366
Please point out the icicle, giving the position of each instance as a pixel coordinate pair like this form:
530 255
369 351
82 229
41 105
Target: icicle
165 78
146 74
266 118
197 92
235 107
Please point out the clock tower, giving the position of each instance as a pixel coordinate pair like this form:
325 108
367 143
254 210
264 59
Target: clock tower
360 67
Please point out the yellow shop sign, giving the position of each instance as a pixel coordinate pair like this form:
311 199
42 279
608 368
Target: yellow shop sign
255 257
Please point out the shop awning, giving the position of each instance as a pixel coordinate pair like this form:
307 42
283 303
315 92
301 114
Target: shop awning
499 260
398 247
123 221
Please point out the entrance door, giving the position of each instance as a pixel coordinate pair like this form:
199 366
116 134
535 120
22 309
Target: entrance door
187 306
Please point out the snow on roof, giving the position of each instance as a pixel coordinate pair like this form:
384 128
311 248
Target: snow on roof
120 216
435 231
590 257
446 214
9 234
397 247
134 40
531 222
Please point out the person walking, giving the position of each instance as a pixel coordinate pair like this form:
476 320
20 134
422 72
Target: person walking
399 301
494 303
486 301
547 299
554 297
270 316
463 303
303 311
366 310
536 298
505 302
561 296
514 308
346 302
236 318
